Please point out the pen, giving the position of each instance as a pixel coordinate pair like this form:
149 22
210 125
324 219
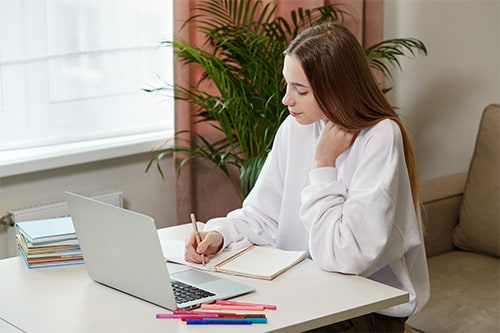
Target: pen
218 322
197 236
265 306
230 307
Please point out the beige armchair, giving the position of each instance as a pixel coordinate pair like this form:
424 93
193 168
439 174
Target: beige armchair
461 213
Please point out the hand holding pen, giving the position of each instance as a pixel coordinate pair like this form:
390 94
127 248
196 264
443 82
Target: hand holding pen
197 237
200 242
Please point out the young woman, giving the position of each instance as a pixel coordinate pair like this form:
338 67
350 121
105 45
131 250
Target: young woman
340 181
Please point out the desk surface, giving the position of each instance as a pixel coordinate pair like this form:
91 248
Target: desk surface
65 299
8 328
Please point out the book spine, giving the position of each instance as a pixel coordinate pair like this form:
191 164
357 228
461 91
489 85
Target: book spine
231 258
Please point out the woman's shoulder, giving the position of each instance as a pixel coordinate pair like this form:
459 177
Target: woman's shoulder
386 133
385 127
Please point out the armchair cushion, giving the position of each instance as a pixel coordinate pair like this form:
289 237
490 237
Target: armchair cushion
441 199
464 294
478 229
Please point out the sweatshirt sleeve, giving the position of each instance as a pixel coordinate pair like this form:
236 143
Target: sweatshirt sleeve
351 230
257 221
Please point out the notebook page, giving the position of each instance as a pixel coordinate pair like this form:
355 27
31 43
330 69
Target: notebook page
262 262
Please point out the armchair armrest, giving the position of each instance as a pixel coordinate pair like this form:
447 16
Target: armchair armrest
440 203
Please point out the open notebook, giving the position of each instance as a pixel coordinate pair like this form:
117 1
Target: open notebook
260 262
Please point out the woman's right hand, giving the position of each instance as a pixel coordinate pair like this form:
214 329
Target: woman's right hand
211 242
332 142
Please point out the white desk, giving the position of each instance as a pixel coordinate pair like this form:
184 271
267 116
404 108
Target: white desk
7 328
64 299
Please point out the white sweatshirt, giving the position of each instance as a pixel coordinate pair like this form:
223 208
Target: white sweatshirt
357 218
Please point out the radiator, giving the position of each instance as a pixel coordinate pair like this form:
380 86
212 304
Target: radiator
48 210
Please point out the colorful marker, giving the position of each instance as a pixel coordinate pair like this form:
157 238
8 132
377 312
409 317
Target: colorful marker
222 321
230 307
265 306
255 320
186 315
221 314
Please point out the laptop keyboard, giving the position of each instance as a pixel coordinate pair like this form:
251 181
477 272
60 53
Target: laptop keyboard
185 293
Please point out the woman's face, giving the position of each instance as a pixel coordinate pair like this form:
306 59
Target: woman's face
299 96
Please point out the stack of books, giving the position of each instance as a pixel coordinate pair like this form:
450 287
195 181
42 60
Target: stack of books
46 243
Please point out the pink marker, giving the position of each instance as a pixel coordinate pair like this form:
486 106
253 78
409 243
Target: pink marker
265 306
230 307
185 316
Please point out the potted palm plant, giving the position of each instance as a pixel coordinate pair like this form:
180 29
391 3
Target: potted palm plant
243 57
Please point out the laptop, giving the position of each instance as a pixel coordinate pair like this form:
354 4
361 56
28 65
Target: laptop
121 250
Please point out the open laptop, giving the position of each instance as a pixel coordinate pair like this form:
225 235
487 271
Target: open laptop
121 250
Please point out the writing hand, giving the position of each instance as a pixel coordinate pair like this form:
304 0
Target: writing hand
332 142
211 242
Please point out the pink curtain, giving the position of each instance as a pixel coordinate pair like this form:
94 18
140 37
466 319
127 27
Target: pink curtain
201 188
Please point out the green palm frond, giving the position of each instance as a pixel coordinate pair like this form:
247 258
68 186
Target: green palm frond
232 13
390 50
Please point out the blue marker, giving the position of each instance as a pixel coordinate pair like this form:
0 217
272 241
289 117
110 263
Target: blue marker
221 321
254 320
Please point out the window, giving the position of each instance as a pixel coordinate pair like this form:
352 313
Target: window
73 71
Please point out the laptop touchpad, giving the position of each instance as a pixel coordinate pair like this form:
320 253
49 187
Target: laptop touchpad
194 277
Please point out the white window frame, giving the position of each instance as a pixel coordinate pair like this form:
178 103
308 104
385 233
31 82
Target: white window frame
18 162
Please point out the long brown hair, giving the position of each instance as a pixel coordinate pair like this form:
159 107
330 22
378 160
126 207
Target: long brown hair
344 86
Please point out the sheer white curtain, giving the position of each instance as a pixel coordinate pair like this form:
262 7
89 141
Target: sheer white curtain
72 71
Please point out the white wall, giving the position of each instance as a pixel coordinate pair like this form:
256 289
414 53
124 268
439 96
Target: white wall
442 96
142 192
